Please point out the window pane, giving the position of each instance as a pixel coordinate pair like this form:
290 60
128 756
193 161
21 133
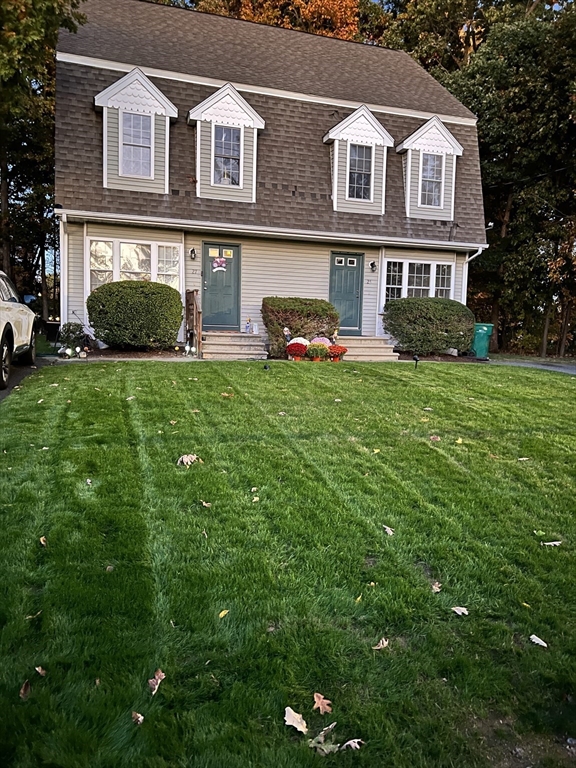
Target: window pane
394 280
168 259
135 261
360 172
98 277
418 279
101 254
169 280
431 193
443 280
137 145
227 155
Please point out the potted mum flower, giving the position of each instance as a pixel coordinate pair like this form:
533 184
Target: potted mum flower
296 350
317 352
336 352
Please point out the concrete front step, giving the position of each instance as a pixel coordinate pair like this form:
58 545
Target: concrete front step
369 349
223 345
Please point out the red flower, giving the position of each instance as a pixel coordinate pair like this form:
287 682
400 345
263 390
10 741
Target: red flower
296 350
337 350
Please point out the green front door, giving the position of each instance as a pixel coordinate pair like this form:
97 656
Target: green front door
346 270
221 287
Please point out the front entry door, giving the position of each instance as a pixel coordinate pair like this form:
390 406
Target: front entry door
346 270
221 287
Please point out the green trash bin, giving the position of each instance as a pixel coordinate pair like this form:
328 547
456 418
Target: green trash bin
481 343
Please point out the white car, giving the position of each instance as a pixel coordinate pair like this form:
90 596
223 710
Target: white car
17 330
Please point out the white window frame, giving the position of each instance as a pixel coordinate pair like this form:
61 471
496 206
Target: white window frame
121 114
214 125
372 172
442 182
116 260
404 287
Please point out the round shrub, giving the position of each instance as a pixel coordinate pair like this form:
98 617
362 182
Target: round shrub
427 326
303 317
135 314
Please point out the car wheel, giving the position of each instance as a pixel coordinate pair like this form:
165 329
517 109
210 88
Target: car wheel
5 362
29 357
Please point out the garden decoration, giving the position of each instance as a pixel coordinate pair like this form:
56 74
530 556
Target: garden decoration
337 352
317 352
296 350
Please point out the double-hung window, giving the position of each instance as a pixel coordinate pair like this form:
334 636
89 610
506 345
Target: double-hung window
360 172
431 180
113 260
227 155
136 151
418 279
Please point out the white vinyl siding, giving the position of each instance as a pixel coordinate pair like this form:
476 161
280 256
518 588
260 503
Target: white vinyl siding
351 205
244 191
75 304
416 209
114 150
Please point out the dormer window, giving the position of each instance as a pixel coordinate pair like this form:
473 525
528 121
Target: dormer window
227 155
226 146
360 172
358 151
136 134
136 150
431 179
429 165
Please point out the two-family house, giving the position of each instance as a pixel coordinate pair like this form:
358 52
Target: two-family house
243 161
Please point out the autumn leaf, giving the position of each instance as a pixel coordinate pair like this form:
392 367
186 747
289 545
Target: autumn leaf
537 641
35 616
436 586
322 704
40 401
253 490
25 690
41 672
223 613
383 643
155 681
133 397
427 409
540 533
375 450
434 438
281 413
137 718
358 599
188 459
109 568
424 418
43 541
206 503
459 441
294 719
352 744
227 394
524 458
88 482
337 400
173 422
256 498
550 543
320 744
460 611
389 531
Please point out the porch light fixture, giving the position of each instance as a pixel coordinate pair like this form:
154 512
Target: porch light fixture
192 253
373 266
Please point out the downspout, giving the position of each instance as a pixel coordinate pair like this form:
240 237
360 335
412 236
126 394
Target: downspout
465 274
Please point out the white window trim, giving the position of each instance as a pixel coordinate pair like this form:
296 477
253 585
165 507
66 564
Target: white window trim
213 152
121 114
336 150
404 287
116 260
372 172
442 182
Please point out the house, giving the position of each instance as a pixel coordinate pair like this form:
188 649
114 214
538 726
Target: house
242 161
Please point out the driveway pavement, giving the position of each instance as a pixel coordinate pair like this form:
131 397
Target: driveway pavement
21 371
558 366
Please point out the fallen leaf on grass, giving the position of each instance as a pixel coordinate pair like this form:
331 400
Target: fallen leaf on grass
97 682
550 543
322 704
424 418
227 394
294 719
389 531
223 613
35 616
195 411
436 586
435 438
526 605
281 413
206 503
88 482
43 541
25 690
459 441
337 400
253 490
53 385
353 744
204 533
537 641
41 672
375 450
45 448
137 718
109 568
427 409
460 611
358 599
383 643
173 422
155 681
540 533
40 401
132 397
319 743
256 498
189 458
524 458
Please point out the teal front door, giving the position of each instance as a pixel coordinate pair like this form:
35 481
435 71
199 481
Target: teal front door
346 270
221 287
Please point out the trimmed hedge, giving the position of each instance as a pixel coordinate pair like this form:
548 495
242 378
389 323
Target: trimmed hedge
135 314
304 317
427 326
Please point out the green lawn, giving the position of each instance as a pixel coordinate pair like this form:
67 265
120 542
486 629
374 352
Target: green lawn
303 565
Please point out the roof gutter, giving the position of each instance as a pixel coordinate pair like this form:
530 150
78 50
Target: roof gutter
478 252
